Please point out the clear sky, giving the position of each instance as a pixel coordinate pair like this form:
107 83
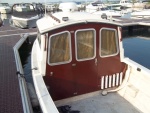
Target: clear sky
27 1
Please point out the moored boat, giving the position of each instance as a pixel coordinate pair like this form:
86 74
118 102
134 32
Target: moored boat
5 8
25 16
77 55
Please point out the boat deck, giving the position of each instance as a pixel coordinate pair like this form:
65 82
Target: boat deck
10 95
96 103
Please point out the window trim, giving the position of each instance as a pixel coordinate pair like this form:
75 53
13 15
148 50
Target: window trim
116 36
94 44
59 63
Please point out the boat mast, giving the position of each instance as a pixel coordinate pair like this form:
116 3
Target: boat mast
45 7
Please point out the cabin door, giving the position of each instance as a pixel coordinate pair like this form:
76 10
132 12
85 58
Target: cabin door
85 64
59 68
110 68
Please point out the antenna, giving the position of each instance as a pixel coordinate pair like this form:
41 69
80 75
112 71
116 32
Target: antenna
45 7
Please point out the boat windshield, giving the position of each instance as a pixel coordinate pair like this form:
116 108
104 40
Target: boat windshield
104 9
5 4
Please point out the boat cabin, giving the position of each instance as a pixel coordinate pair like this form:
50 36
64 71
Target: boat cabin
81 55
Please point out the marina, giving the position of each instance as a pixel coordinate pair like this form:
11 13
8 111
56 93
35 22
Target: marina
34 55
10 95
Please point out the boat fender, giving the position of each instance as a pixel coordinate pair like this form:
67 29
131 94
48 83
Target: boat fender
124 83
104 93
32 94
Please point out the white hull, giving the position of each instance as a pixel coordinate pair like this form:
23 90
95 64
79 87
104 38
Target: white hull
24 23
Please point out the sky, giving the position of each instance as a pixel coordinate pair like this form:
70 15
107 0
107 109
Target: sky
27 1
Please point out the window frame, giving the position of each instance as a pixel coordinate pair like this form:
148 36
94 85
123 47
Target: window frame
100 40
70 48
76 44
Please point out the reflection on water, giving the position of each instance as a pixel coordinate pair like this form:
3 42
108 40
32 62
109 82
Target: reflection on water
138 49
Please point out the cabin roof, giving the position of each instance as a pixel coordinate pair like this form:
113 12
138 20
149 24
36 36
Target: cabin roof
61 19
55 21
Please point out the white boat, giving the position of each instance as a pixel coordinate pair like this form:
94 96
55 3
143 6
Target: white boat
126 4
145 13
94 6
106 13
24 18
5 8
77 57
50 7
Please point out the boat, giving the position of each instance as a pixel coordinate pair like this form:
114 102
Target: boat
145 13
24 18
5 8
107 13
127 5
78 64
50 7
95 6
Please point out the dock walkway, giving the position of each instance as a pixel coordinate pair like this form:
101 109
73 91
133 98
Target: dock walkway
10 95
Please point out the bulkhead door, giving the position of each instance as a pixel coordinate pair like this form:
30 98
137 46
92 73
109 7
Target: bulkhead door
110 67
59 68
85 65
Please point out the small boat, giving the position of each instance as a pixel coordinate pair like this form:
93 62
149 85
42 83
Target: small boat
95 6
5 8
78 60
145 13
24 17
106 13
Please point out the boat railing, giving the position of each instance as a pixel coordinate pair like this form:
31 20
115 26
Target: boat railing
54 18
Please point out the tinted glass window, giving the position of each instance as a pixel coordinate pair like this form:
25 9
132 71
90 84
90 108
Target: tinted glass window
85 48
108 43
60 48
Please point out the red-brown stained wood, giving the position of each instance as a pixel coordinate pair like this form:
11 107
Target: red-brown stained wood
68 80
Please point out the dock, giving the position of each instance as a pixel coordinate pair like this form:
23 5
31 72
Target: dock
10 94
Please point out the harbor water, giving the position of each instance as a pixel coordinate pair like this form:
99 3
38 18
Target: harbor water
138 49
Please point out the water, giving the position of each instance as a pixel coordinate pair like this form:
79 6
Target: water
138 49
25 56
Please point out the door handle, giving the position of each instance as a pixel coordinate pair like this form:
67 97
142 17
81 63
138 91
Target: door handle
73 64
96 61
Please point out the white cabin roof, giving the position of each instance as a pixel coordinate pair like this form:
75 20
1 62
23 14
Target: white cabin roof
49 22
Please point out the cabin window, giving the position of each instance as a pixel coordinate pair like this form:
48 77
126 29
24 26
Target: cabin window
108 42
60 48
85 44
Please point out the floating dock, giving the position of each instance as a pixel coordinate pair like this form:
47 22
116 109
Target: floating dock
10 94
